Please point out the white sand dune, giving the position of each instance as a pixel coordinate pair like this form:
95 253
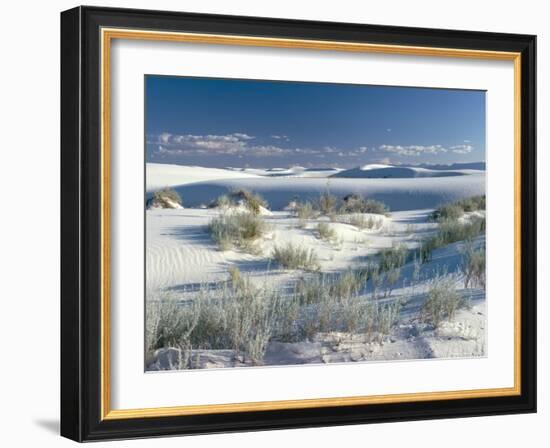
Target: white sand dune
180 251
398 194
181 257
159 175
395 172
295 171
200 186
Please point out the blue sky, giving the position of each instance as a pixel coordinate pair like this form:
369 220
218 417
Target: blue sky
223 122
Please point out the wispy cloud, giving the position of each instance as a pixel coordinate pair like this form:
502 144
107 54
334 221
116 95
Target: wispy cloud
280 137
413 150
418 150
167 144
462 149
238 144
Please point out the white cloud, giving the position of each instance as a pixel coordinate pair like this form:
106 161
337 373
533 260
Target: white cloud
413 150
236 143
462 149
417 150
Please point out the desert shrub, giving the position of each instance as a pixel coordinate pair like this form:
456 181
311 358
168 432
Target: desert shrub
239 317
450 231
238 230
449 212
311 290
305 210
364 222
334 302
327 203
294 257
392 277
377 207
455 210
473 266
326 232
346 285
169 324
250 316
165 198
223 201
392 258
252 201
472 203
354 203
442 301
383 318
339 287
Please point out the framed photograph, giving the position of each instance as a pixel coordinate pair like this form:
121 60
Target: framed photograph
274 223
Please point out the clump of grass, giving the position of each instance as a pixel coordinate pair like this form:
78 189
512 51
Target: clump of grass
240 317
347 285
294 257
325 303
472 203
451 231
169 324
448 212
305 210
253 202
311 290
327 203
473 266
392 277
392 258
165 198
340 287
364 222
326 232
456 210
355 203
383 318
442 301
237 230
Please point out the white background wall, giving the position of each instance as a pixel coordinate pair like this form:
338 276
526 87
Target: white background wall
29 220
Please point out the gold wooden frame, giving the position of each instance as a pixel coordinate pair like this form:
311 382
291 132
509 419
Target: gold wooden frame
107 35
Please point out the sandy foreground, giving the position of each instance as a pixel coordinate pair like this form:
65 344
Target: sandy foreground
181 257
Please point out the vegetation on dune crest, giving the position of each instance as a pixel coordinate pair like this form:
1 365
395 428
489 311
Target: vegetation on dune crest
354 203
253 202
165 198
451 231
327 203
455 210
363 222
326 232
305 210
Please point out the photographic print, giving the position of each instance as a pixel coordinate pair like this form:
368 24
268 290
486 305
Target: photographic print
296 223
302 223
251 201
